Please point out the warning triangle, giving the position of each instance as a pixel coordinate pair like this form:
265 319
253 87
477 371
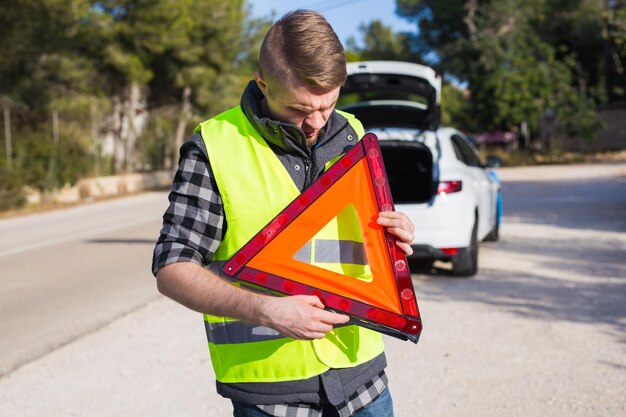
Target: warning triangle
368 277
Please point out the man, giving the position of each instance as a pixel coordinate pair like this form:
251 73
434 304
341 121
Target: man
280 356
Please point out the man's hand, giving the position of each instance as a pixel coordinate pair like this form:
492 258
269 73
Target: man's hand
299 316
400 225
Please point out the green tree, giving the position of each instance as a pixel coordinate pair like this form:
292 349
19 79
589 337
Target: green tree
454 107
43 68
380 42
41 51
614 39
186 52
515 70
101 66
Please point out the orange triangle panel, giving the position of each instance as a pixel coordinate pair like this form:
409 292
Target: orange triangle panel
273 258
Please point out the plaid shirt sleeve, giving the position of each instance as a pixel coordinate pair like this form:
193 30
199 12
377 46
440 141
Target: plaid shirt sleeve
193 224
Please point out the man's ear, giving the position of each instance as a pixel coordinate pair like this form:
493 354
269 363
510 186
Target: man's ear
260 82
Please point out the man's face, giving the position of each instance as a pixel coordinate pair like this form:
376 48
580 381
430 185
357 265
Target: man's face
298 104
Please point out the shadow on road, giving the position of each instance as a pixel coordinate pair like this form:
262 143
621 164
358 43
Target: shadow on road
572 281
587 257
123 241
572 269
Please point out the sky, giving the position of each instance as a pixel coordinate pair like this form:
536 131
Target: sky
345 16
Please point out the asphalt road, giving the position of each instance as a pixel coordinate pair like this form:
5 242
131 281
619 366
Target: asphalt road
540 331
66 273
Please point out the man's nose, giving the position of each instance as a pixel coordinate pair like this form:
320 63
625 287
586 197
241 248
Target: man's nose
315 121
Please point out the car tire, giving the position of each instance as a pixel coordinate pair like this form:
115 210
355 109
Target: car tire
465 262
494 234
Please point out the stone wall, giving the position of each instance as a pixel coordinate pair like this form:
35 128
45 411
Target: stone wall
103 187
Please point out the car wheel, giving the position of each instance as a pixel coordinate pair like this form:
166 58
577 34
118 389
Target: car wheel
465 262
494 235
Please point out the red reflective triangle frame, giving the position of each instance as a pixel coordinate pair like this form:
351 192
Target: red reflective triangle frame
387 303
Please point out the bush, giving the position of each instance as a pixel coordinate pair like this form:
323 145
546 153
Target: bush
11 189
45 165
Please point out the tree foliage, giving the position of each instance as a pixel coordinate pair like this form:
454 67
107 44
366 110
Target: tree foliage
380 42
136 75
523 58
107 67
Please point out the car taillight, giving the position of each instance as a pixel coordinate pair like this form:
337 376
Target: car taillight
449 187
449 251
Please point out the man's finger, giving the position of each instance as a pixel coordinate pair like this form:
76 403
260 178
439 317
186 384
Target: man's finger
405 247
314 301
395 219
403 234
334 318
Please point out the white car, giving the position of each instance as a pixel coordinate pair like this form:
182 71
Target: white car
436 176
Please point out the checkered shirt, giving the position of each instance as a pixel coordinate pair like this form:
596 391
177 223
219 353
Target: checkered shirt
363 397
193 224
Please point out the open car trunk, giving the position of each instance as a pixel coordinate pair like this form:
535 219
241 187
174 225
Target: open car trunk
412 90
409 162
399 102
409 167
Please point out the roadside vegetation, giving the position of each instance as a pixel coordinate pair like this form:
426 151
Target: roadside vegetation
526 158
93 88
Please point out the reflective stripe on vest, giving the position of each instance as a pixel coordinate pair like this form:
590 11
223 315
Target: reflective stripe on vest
333 251
226 332
236 331
243 352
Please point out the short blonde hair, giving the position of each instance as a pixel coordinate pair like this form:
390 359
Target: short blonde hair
302 44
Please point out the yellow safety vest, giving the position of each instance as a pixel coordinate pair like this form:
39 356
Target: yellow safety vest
255 186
